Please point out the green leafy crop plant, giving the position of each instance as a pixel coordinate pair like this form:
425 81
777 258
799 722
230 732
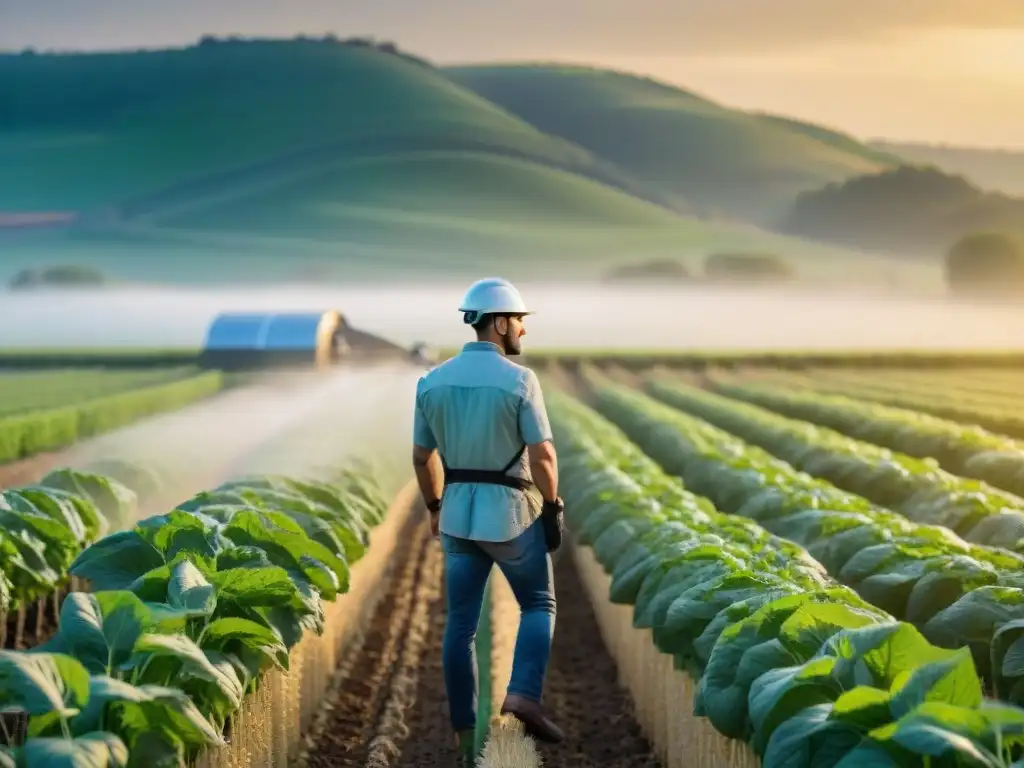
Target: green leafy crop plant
917 488
997 412
787 659
186 611
958 594
43 528
965 450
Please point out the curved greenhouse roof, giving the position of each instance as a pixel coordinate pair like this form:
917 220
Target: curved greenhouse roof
272 331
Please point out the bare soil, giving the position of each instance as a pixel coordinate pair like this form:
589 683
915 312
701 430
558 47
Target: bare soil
582 692
29 470
391 710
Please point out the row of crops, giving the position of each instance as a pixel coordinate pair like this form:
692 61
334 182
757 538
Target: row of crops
185 613
916 488
788 658
958 594
989 399
45 526
40 390
49 411
962 449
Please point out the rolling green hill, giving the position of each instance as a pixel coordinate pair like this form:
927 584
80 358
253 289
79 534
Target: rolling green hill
718 159
332 151
277 159
89 130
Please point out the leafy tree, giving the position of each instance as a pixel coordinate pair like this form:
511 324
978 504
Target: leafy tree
908 209
658 269
739 266
67 276
986 262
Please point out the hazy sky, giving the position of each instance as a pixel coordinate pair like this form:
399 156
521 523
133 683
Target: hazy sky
934 70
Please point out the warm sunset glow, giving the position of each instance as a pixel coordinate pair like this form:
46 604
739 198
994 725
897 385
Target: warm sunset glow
932 70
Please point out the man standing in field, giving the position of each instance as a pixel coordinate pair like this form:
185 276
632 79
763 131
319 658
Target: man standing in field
483 452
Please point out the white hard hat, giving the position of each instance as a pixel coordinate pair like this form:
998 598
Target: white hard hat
492 295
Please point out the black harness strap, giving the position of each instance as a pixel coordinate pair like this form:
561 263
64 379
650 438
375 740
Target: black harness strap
488 476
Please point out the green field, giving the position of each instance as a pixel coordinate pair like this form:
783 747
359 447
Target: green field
51 409
285 159
22 392
829 595
818 575
149 121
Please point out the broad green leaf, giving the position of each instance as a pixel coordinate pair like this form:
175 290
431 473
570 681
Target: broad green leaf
100 628
180 532
952 680
115 501
41 683
870 754
153 749
242 557
148 708
878 655
188 590
255 587
54 504
116 561
28 525
810 738
187 660
287 546
930 740
152 585
220 634
864 707
222 695
92 750
807 629
779 694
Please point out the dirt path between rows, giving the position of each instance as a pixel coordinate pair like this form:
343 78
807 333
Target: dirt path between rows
390 708
30 470
582 691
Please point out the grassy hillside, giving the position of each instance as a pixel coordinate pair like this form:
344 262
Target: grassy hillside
92 130
298 159
718 159
1000 170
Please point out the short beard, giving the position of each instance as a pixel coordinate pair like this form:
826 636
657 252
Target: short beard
511 347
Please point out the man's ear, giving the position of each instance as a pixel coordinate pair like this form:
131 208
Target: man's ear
501 325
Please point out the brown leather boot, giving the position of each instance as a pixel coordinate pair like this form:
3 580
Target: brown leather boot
535 721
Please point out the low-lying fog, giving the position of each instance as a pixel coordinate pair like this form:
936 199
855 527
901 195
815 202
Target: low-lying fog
567 316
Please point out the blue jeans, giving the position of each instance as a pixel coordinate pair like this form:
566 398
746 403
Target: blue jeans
527 567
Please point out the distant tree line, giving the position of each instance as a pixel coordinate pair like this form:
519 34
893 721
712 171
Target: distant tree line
719 267
57 276
910 209
922 210
382 46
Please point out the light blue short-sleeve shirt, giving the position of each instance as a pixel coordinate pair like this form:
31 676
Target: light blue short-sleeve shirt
478 409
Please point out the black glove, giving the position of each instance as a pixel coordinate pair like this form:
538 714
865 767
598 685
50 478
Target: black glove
553 519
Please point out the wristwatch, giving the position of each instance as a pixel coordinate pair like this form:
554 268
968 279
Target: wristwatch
434 506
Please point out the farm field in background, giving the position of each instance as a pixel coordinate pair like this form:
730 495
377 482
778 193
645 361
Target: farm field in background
25 391
46 410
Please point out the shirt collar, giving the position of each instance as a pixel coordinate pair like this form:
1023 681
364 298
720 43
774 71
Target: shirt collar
481 346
